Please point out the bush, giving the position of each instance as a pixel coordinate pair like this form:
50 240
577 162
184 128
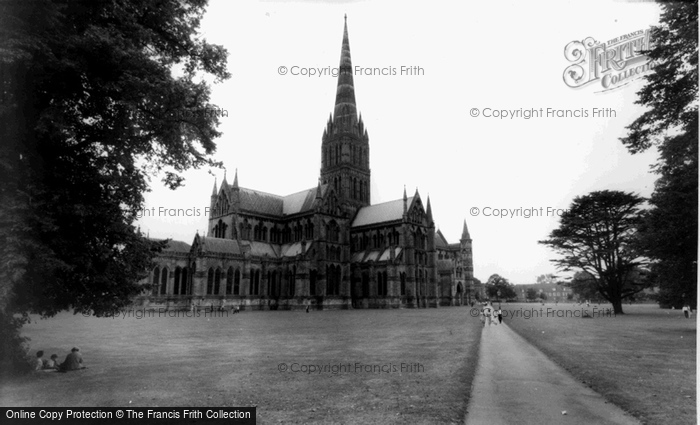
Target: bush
14 357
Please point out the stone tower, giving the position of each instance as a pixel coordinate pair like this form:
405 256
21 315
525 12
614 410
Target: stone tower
345 143
465 250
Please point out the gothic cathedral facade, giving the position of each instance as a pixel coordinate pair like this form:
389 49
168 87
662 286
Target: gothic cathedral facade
326 247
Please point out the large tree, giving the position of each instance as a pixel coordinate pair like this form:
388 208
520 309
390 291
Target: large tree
596 236
531 294
97 97
584 287
499 287
668 234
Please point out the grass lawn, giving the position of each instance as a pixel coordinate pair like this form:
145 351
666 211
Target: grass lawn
236 361
644 361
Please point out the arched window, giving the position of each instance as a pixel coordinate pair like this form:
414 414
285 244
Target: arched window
254 286
217 281
333 231
365 284
220 229
274 289
309 229
292 281
419 281
329 280
176 285
237 282
229 281
210 281
184 281
403 283
156 279
382 284
312 282
164 281
338 278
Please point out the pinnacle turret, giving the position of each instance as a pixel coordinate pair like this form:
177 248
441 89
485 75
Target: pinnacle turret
465 232
405 201
428 210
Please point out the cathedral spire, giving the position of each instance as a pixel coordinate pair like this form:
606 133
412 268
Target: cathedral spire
465 231
235 179
345 107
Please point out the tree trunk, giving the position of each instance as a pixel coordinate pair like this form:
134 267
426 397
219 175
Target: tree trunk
617 306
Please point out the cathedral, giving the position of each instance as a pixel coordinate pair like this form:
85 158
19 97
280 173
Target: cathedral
326 247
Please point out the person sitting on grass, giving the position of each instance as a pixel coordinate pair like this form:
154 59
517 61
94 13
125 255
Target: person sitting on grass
38 364
52 363
74 361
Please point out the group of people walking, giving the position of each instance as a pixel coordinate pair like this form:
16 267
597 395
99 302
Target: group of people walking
489 314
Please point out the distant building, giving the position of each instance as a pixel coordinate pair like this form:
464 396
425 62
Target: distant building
552 292
324 247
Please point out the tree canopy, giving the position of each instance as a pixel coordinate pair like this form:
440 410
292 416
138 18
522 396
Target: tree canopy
499 287
668 233
97 97
596 236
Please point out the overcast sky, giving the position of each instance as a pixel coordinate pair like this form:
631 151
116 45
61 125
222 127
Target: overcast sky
499 55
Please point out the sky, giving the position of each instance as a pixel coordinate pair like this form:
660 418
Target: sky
438 128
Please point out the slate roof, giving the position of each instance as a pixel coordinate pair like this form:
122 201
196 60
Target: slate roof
440 241
375 255
380 213
300 201
292 249
259 202
174 246
264 248
218 245
260 249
